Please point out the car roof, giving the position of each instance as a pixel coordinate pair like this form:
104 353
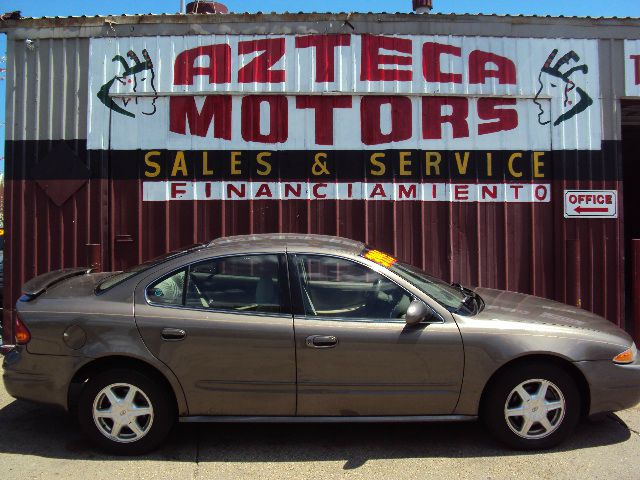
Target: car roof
292 242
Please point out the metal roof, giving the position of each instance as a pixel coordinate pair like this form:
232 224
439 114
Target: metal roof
233 15
300 23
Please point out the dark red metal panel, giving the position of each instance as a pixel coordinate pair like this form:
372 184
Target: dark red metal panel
42 235
636 289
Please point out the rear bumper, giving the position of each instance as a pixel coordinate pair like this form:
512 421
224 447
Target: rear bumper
613 387
38 378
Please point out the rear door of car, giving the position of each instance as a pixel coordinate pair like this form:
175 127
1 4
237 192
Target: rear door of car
355 354
224 326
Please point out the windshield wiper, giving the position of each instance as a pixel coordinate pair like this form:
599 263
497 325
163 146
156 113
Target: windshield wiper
470 295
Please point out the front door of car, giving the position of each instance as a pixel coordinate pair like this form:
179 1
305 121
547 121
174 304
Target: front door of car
356 355
224 327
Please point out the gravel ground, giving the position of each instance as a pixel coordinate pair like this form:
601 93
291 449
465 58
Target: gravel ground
43 442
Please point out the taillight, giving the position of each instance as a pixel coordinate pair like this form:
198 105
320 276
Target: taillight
22 333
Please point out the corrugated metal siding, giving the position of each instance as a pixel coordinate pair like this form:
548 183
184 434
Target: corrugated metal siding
527 247
522 247
47 99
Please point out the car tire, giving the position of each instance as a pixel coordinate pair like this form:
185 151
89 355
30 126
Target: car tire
125 412
516 414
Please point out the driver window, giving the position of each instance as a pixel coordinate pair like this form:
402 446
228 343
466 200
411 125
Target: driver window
245 283
334 287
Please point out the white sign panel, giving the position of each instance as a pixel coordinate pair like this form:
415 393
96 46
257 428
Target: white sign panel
163 191
632 67
338 92
590 204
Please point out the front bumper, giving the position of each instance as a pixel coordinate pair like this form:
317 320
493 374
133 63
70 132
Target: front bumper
613 387
38 378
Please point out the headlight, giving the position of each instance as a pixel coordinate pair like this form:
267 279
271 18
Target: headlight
628 356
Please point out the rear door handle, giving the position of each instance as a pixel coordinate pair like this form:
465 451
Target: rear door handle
321 341
173 334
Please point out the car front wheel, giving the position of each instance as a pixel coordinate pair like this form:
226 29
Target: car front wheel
125 412
532 407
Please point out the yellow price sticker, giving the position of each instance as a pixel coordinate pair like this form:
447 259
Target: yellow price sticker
380 258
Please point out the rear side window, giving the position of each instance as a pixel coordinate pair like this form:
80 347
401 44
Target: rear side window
244 283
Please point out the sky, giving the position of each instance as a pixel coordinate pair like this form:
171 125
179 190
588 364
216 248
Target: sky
38 8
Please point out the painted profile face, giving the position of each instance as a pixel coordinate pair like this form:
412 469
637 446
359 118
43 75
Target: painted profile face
571 99
138 76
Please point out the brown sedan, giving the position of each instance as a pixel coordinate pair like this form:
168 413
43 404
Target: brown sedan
306 328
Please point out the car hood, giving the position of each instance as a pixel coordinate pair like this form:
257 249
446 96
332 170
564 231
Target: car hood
519 307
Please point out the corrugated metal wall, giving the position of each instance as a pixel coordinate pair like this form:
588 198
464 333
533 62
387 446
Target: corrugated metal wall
46 103
523 247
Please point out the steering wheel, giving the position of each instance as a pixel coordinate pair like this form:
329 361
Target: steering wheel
373 294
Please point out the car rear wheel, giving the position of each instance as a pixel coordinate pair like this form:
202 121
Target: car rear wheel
532 407
125 412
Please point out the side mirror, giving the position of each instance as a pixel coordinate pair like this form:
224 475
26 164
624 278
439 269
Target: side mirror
417 312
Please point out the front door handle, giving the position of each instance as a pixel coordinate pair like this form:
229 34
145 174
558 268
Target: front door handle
173 334
321 341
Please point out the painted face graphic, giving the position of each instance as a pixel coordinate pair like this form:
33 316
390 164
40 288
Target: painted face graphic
134 75
560 85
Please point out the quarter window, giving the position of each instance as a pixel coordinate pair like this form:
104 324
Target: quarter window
335 287
168 290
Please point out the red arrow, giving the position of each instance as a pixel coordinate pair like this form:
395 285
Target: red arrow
580 209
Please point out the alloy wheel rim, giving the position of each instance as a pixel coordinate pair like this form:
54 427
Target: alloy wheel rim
123 413
535 409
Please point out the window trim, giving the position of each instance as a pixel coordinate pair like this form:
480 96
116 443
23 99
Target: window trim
298 305
282 278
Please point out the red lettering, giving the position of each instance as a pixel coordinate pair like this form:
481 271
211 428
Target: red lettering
516 191
373 60
608 199
541 193
264 191
323 106
489 191
431 62
461 192
479 71
433 118
259 69
207 190
325 52
573 199
233 190
636 66
371 119
278 118
288 189
183 110
505 118
378 190
405 192
218 70
316 190
178 188
350 190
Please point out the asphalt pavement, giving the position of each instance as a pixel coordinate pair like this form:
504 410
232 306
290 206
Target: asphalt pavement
43 442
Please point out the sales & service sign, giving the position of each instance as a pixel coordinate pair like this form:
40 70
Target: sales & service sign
347 117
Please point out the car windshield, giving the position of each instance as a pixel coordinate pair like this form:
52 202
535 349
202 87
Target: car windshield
120 277
453 297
